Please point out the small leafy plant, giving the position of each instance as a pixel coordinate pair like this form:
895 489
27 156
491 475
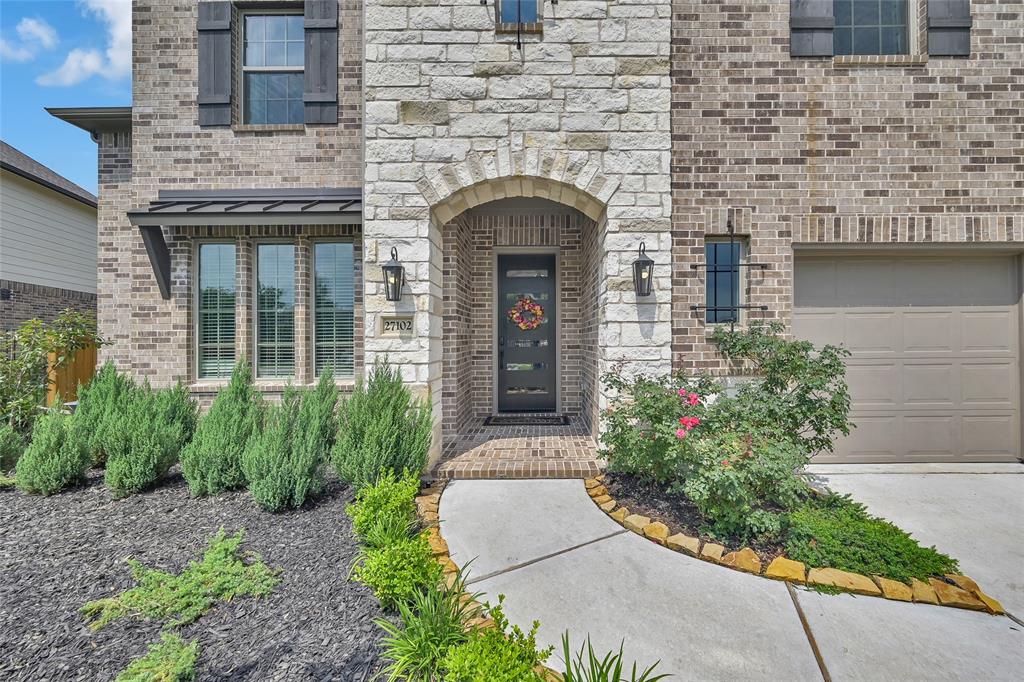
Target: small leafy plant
837 532
212 461
398 572
390 501
610 668
433 621
146 440
224 574
381 428
171 660
55 459
498 654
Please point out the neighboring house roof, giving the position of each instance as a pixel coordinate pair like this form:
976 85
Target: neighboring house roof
21 164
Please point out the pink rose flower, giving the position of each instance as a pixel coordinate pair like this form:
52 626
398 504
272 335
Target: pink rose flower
693 399
680 433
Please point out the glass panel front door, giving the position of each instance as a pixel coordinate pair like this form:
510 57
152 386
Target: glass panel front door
527 325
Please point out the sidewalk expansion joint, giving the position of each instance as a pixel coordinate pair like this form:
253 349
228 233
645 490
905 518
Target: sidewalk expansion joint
531 562
810 635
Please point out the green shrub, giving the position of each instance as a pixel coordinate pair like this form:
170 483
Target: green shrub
169 661
224 574
283 464
390 501
102 403
11 447
380 429
212 461
143 444
178 407
610 668
398 571
56 457
497 654
432 622
837 532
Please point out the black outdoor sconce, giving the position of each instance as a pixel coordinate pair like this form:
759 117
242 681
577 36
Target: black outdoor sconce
643 272
394 277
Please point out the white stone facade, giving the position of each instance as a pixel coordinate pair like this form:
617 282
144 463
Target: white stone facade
457 116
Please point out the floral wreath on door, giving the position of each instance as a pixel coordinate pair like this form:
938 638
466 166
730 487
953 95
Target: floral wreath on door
526 314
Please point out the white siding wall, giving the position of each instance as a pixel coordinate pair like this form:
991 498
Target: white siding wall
45 237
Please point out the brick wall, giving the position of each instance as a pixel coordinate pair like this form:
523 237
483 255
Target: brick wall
29 301
844 150
167 150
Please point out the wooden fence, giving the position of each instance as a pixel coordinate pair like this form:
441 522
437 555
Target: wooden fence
64 380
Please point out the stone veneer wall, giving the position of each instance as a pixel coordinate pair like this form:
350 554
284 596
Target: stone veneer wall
30 301
456 116
469 313
168 150
835 151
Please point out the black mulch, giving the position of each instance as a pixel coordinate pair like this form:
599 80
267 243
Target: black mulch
675 511
57 553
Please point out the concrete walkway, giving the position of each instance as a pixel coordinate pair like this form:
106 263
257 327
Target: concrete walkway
560 560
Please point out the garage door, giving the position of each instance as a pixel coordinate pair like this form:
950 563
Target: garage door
934 374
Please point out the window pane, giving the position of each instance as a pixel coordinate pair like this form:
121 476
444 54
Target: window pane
277 27
273 97
334 305
865 12
215 314
870 27
296 29
276 53
253 54
723 282
296 54
275 310
513 11
254 28
865 40
894 12
892 40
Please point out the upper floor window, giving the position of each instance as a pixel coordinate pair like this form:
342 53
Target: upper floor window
272 68
518 15
866 27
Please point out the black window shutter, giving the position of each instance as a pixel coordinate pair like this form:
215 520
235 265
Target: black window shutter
949 28
214 63
320 89
810 28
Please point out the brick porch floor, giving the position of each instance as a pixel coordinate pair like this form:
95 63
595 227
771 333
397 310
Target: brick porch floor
520 452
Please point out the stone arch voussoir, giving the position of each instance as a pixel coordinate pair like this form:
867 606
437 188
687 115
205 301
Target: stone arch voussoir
573 178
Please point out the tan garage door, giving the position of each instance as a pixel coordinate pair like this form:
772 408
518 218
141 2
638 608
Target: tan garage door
935 340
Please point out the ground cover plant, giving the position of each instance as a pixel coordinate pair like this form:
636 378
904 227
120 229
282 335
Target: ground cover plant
838 532
212 461
56 457
381 427
223 574
502 653
737 455
171 660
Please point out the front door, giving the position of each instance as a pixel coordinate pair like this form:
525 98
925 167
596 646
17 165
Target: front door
527 324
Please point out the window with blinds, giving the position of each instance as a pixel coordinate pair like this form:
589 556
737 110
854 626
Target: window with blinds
275 310
334 308
215 315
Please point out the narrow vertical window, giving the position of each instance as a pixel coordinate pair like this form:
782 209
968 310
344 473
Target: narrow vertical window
215 317
275 310
723 281
334 303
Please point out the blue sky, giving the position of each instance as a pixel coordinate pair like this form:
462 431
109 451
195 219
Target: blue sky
61 53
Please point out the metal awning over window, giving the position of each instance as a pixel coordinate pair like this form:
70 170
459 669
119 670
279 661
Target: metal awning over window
214 208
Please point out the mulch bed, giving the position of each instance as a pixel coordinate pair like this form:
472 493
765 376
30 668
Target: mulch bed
675 511
57 553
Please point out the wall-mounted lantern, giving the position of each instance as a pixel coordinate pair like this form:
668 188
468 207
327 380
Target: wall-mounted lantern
394 277
643 272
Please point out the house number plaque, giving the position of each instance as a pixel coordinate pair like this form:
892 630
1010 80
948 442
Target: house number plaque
396 326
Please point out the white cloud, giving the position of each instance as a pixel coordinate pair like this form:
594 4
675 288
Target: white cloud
114 62
33 35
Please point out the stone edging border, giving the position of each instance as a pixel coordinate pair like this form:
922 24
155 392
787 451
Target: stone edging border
957 591
427 506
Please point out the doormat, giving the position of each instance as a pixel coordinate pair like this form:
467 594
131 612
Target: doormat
527 420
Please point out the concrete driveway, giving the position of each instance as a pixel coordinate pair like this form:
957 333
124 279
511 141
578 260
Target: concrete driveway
560 560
